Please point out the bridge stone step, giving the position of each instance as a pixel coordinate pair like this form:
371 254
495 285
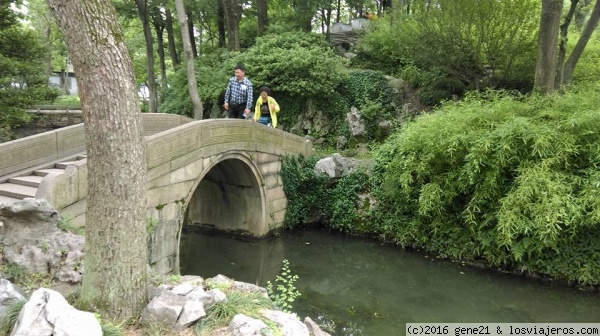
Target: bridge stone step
44 172
16 190
30 180
63 165
6 199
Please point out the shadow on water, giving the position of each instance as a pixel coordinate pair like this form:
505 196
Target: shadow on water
361 287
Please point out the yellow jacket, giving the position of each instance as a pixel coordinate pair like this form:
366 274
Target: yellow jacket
273 112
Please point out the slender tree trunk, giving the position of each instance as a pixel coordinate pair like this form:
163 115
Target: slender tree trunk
190 27
142 7
233 15
562 45
262 16
338 11
221 23
581 43
171 38
189 60
160 45
48 37
545 67
115 257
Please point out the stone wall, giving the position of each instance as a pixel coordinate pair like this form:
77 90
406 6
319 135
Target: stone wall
54 118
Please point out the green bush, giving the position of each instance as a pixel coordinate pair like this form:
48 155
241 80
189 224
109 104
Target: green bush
456 46
509 180
313 196
297 66
23 82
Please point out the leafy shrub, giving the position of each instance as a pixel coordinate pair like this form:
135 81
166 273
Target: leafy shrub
506 179
456 46
313 196
304 188
23 82
297 66
283 291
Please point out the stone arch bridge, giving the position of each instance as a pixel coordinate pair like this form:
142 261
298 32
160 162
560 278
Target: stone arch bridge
223 173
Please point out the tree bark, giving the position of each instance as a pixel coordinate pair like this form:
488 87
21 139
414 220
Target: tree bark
160 45
190 27
221 23
591 25
262 16
545 67
189 60
562 45
115 257
48 37
142 7
233 15
171 38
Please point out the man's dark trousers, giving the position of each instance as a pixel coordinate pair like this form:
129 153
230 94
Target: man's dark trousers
236 111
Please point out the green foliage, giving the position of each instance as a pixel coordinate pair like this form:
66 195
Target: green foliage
12 272
300 64
66 224
457 46
305 190
588 67
284 293
10 316
510 180
313 196
221 313
151 224
62 103
110 328
295 65
346 214
23 82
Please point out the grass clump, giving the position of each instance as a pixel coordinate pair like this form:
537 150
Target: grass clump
9 317
66 224
219 315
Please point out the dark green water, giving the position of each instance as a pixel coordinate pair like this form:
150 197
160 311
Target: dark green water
360 287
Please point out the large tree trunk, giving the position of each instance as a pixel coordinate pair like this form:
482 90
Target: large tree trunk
262 16
142 7
160 45
233 15
562 45
581 43
115 258
545 66
171 38
221 23
189 60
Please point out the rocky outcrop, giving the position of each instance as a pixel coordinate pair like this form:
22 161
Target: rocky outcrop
336 166
179 305
31 239
47 313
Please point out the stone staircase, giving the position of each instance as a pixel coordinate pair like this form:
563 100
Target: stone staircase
25 184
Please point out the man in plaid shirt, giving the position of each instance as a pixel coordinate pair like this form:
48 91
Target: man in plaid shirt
238 97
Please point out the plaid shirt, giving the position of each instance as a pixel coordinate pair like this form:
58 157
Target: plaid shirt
239 93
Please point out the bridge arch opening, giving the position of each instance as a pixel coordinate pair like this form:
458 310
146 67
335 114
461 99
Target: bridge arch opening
229 197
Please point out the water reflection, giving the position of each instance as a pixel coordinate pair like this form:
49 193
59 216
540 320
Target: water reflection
252 261
360 287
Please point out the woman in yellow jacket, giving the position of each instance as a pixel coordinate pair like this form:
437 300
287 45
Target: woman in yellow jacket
266 109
